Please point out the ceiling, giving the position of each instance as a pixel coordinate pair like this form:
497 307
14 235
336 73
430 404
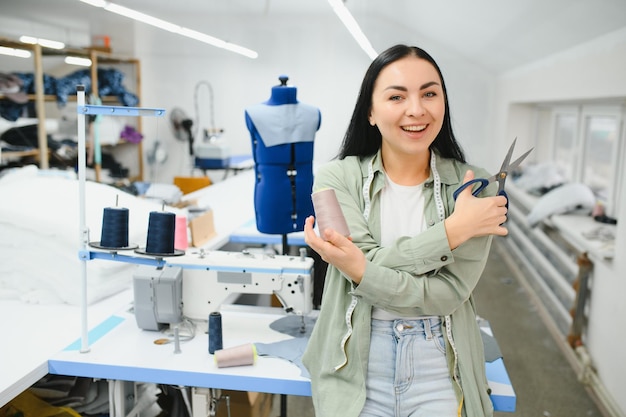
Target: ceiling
498 35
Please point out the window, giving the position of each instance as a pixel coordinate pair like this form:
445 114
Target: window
565 144
600 146
586 145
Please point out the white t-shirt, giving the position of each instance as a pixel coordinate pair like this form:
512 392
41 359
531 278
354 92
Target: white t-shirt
401 211
401 214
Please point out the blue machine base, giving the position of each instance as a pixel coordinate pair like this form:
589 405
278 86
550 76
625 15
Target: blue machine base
203 163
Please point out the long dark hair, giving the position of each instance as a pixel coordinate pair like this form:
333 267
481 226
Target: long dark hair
363 139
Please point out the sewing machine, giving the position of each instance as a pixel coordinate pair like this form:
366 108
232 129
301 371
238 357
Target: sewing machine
211 152
199 282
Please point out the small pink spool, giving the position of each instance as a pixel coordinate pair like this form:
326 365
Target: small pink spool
328 212
181 240
236 356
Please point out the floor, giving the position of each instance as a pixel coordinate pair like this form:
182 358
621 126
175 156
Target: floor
544 382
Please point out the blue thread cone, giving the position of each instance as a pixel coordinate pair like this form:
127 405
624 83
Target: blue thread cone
215 332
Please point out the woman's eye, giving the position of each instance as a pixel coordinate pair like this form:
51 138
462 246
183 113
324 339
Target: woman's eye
430 94
395 98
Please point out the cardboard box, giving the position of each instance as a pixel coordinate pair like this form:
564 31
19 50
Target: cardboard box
245 404
202 228
190 184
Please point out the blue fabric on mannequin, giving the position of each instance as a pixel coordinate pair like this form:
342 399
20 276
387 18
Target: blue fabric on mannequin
282 133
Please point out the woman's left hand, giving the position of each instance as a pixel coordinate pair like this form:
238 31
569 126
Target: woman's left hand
337 250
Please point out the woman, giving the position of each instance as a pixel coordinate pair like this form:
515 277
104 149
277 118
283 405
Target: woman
397 332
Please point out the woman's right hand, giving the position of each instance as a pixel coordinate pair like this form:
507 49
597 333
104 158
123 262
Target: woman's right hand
475 216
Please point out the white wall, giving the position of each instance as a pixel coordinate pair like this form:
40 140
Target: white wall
594 70
318 54
325 64
326 72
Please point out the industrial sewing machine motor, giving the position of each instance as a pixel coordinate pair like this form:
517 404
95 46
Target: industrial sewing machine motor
199 282
158 296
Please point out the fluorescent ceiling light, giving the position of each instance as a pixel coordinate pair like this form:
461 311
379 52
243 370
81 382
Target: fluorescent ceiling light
74 60
43 42
171 27
21 53
141 17
353 27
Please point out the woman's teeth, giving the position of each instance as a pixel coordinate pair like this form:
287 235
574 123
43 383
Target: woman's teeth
414 128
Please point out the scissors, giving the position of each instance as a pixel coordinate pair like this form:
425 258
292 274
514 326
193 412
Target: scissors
499 176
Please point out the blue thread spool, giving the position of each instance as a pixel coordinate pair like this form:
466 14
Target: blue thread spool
161 233
215 332
114 228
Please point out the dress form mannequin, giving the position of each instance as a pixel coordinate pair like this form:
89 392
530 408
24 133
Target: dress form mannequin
283 93
282 131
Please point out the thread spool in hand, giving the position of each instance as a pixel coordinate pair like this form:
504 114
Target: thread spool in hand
236 356
328 212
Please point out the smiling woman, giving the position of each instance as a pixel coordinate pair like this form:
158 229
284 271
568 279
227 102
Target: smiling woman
408 108
385 337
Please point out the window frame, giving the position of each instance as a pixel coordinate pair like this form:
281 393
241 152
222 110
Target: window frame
559 111
582 112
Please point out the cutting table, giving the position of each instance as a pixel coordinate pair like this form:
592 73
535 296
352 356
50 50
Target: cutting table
118 349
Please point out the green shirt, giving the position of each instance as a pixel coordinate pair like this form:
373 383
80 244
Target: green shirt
417 275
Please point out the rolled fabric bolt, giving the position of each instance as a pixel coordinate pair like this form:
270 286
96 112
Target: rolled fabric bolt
328 212
241 355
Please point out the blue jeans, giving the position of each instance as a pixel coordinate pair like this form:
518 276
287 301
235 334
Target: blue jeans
408 373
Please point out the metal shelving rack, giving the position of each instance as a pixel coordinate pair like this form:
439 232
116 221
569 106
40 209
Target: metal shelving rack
84 254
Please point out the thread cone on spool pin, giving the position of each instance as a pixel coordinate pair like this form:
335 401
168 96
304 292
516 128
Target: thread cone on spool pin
181 240
161 234
114 235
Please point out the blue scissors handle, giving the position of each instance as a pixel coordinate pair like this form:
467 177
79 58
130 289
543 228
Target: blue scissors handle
502 192
483 183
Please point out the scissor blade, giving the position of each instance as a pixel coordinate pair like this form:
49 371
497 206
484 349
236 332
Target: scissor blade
507 158
518 160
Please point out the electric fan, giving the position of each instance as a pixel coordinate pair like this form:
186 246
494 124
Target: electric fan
181 127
